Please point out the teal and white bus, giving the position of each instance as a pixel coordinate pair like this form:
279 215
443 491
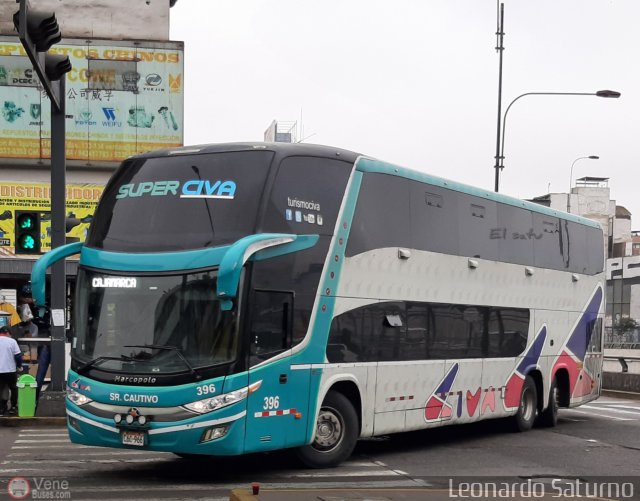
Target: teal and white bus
238 298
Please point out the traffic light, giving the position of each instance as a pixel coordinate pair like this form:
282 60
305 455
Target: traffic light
27 232
42 27
56 66
39 31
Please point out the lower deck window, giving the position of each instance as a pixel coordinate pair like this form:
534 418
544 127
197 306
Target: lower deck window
427 331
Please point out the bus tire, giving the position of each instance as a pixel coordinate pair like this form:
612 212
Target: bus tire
549 417
336 433
526 415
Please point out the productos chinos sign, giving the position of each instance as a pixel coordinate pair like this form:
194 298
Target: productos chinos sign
120 100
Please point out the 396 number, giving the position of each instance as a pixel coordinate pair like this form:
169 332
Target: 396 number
207 389
271 403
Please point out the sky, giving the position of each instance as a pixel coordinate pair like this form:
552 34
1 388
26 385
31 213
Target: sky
415 82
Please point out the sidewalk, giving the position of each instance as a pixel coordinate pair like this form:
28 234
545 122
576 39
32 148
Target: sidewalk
410 494
400 494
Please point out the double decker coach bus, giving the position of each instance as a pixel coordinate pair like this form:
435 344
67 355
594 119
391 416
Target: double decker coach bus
239 298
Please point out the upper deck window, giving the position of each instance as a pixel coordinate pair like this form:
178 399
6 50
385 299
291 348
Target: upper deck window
181 202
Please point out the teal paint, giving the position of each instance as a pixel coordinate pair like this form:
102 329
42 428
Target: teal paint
152 261
236 441
39 271
316 351
240 252
183 441
145 396
302 242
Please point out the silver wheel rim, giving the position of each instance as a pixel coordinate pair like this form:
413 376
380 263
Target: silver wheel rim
329 430
527 404
555 399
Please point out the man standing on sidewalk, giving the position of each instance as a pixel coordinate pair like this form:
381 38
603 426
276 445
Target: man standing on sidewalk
10 363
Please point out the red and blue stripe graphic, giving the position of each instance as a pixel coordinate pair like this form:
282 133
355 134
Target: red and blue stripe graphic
437 407
513 387
572 357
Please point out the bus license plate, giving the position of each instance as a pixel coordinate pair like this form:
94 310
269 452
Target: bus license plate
133 438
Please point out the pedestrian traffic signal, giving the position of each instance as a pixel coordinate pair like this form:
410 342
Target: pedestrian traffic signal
27 232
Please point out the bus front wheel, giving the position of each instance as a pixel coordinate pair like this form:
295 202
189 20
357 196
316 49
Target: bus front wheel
527 410
336 433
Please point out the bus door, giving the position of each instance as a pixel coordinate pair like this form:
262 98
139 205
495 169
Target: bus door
274 411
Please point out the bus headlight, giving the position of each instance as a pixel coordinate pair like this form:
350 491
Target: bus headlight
220 401
77 398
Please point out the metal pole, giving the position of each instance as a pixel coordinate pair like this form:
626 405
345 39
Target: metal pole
58 271
500 49
591 157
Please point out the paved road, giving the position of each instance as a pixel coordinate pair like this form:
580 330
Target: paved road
599 439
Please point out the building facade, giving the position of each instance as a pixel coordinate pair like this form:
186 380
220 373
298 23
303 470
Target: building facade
124 96
591 198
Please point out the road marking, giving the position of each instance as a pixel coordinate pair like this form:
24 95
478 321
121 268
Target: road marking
67 446
610 410
98 461
34 435
625 406
602 415
40 429
87 453
48 440
379 473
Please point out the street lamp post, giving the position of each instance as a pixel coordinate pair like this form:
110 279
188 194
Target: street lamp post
500 143
590 157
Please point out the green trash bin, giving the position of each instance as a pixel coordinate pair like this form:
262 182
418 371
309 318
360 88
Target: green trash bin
27 386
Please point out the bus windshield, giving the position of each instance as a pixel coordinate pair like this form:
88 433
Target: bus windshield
152 324
180 202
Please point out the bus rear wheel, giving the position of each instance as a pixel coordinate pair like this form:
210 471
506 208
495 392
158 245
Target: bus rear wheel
336 433
549 417
527 410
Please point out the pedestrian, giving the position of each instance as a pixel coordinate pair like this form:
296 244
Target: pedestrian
37 326
10 365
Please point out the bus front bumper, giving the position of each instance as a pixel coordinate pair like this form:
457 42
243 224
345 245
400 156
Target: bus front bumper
216 433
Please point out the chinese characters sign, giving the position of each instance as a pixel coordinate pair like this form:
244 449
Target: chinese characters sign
120 100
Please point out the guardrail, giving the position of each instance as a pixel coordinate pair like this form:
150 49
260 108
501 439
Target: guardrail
624 361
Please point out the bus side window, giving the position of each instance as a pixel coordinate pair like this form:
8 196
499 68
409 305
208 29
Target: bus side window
508 329
594 336
271 322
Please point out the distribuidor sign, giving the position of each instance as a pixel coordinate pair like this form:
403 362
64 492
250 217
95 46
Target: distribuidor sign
121 99
82 200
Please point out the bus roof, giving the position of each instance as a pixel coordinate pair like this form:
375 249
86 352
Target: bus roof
366 164
281 149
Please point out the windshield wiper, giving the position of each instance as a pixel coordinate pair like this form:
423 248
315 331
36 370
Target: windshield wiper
174 349
93 362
